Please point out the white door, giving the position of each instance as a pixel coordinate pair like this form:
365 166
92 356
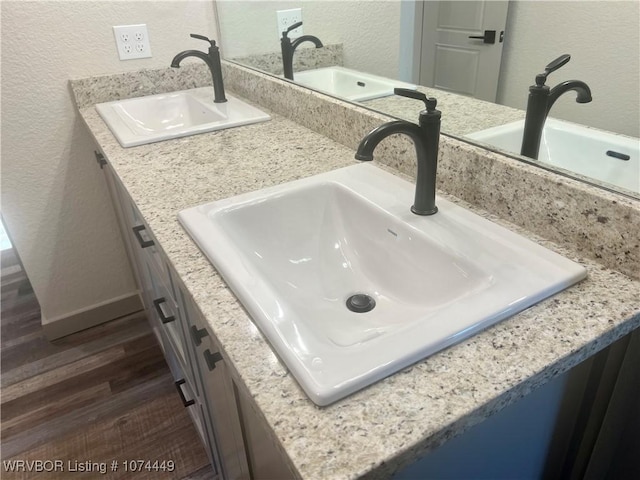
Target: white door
451 59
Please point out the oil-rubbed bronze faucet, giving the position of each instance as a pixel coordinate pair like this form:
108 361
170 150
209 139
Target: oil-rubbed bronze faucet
541 99
425 136
288 47
212 59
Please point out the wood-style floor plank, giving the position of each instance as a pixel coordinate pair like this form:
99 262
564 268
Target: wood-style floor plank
57 375
148 432
40 355
33 417
101 395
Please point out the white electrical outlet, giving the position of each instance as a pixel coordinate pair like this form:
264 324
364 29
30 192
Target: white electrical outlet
132 41
286 18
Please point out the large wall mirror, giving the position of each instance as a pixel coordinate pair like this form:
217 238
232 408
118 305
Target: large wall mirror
446 49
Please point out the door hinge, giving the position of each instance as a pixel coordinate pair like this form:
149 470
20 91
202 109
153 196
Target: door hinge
100 159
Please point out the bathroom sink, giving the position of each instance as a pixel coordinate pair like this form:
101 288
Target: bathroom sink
349 84
349 286
597 154
138 121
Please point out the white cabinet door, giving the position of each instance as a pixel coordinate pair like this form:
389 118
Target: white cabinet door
267 460
114 192
218 394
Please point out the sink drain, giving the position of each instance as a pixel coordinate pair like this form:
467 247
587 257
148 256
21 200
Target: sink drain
360 303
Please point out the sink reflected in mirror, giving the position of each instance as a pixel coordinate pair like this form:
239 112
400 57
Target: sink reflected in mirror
603 156
154 118
349 84
349 286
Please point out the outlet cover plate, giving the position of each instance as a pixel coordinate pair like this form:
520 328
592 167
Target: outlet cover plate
286 18
132 41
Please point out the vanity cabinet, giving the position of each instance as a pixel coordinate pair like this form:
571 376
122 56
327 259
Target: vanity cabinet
191 351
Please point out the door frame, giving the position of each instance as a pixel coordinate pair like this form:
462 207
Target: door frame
411 13
411 37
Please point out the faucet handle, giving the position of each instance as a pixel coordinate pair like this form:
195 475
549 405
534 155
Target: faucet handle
202 37
552 67
429 102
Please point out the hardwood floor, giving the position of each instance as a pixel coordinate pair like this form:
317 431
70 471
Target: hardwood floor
98 396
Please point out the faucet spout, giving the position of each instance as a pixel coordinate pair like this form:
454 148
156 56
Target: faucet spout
212 59
582 89
306 38
177 60
371 141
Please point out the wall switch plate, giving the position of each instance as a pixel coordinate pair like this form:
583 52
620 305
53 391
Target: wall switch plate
286 18
132 41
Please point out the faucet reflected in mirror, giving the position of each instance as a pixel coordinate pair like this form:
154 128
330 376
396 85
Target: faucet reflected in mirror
288 48
541 99
212 59
425 137
382 38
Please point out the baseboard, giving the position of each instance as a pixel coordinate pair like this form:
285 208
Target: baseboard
90 317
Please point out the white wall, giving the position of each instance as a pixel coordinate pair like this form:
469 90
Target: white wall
54 199
369 30
603 39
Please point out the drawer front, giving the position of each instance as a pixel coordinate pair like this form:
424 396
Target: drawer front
140 235
164 315
147 245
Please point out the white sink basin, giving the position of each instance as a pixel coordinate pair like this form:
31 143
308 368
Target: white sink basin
138 121
349 84
293 255
597 154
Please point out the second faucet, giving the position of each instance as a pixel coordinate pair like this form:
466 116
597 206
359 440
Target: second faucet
541 99
212 59
288 47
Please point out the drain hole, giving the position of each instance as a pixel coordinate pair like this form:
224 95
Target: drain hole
360 303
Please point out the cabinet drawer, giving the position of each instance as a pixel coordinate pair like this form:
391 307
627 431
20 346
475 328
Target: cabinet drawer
140 235
147 245
165 315
193 405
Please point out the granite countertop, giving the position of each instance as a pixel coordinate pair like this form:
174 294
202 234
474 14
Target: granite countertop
386 426
464 115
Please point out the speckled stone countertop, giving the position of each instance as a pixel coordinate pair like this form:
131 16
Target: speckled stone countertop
463 114
306 58
386 426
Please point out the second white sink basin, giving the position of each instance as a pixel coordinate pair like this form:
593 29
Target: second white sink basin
296 254
596 154
138 121
349 84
